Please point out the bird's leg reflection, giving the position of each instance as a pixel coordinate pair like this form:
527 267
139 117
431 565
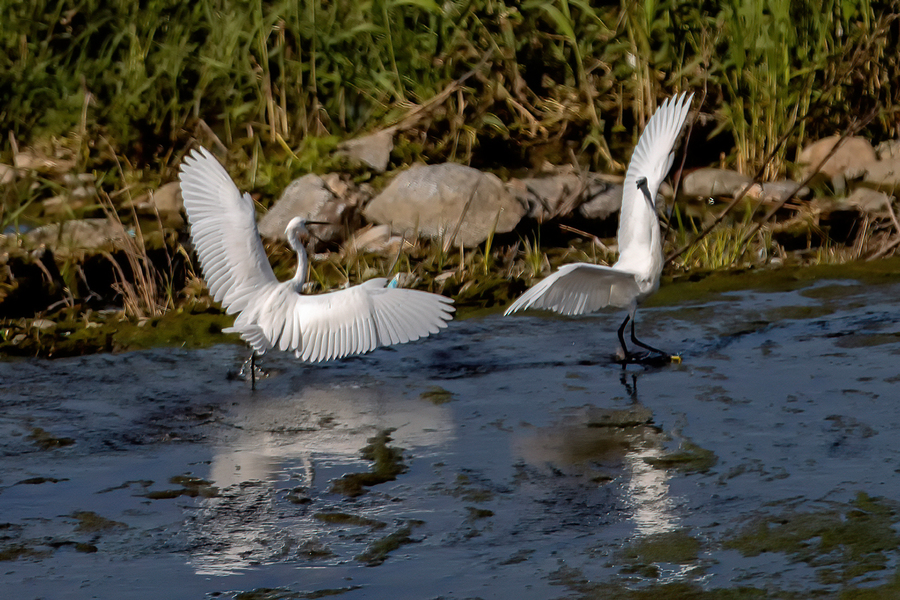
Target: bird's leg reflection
630 388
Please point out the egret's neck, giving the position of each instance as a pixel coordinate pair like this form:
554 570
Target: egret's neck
302 266
639 237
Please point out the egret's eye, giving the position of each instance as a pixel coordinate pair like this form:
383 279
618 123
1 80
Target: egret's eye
642 181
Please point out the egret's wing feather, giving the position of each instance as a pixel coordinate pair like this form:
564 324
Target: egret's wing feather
223 229
653 156
652 159
337 324
403 315
579 288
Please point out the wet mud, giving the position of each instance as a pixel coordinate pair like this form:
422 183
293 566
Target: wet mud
506 457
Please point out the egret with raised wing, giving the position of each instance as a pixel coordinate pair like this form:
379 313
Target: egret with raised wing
581 288
276 314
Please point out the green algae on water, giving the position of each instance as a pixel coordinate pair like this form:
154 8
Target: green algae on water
688 458
843 542
643 556
378 551
46 441
339 518
91 522
436 395
190 486
388 464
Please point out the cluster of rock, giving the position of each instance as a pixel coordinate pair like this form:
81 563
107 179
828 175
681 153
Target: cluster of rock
461 206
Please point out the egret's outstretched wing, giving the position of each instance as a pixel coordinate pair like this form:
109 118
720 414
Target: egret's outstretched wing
653 156
638 235
579 288
337 324
223 228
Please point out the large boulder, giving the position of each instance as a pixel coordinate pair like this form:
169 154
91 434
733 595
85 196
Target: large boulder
453 203
714 183
90 235
602 205
849 161
316 198
559 195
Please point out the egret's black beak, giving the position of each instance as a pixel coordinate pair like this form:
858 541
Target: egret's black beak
311 234
642 185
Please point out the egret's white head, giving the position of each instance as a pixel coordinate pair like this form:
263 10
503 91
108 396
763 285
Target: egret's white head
296 232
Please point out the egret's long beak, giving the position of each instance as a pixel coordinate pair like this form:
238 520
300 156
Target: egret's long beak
311 234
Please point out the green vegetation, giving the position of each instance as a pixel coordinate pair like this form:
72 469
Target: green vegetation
476 76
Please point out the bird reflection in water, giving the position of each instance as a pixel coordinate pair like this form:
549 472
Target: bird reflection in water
278 462
612 447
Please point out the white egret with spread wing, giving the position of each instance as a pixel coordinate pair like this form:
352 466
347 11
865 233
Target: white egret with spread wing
581 288
276 314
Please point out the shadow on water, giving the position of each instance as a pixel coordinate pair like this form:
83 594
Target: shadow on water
505 457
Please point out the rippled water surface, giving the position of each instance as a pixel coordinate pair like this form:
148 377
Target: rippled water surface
504 458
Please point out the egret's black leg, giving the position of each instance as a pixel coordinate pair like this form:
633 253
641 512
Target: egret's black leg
642 344
622 335
628 356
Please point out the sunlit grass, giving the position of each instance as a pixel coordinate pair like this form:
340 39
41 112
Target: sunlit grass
270 74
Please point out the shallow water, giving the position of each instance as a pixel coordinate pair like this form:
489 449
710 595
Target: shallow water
534 467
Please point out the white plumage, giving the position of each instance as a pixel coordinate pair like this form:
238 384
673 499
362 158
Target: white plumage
275 314
581 288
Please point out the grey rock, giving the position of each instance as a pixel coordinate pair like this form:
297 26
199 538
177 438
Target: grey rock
84 234
559 195
62 206
712 183
373 238
7 174
373 150
888 149
309 197
775 191
32 160
868 200
435 200
166 201
884 174
849 161
602 205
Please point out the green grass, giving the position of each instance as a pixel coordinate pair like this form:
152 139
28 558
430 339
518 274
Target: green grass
551 77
